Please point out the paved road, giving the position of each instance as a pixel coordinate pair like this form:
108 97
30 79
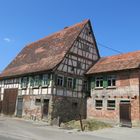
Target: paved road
18 129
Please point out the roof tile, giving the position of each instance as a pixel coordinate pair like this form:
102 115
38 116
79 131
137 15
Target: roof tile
117 62
45 53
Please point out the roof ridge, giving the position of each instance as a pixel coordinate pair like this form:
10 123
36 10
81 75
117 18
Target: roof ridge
121 54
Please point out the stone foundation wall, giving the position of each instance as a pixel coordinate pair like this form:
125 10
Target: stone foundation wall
68 108
30 109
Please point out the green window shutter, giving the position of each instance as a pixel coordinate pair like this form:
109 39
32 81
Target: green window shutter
92 82
88 84
49 79
105 82
74 83
55 75
31 81
65 81
40 79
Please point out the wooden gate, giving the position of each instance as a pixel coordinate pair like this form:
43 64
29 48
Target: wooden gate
125 114
9 101
19 106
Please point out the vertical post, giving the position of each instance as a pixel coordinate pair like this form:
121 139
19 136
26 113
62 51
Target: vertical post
81 123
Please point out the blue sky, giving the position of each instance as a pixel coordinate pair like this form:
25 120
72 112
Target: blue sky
116 23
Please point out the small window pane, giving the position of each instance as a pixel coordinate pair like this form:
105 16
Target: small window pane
60 81
99 82
98 103
36 81
24 82
111 80
111 103
45 80
69 83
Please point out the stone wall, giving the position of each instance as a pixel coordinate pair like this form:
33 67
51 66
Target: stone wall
30 109
127 89
68 108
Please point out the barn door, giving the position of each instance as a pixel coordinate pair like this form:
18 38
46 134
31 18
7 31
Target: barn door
19 106
125 114
9 101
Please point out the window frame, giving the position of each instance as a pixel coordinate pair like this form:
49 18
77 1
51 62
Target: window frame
99 80
96 106
79 64
69 87
111 107
38 101
24 82
36 82
60 85
111 78
85 86
45 78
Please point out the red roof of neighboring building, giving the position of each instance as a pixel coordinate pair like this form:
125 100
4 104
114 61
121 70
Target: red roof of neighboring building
44 54
117 62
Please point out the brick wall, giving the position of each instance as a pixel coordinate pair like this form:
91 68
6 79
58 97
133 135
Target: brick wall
127 88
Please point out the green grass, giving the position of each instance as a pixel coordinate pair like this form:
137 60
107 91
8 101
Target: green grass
89 125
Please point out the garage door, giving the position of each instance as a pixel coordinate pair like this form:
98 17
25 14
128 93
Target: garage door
9 101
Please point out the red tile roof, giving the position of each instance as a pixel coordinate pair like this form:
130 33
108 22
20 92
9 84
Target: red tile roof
44 54
117 62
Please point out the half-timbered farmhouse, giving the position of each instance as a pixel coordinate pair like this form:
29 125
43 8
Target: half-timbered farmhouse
62 77
46 80
115 89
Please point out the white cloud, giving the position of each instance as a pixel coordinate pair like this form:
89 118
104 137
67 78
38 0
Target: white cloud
6 39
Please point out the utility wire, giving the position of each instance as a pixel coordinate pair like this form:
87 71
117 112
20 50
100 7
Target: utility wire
105 46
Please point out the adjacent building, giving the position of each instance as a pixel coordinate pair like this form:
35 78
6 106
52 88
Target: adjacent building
115 89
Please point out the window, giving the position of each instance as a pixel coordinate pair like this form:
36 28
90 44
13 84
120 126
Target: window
72 68
85 47
111 104
37 101
111 80
36 81
85 86
99 81
24 82
87 31
45 80
69 83
74 105
79 64
98 103
60 80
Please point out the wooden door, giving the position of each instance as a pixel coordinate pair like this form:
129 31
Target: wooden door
19 107
9 101
125 114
